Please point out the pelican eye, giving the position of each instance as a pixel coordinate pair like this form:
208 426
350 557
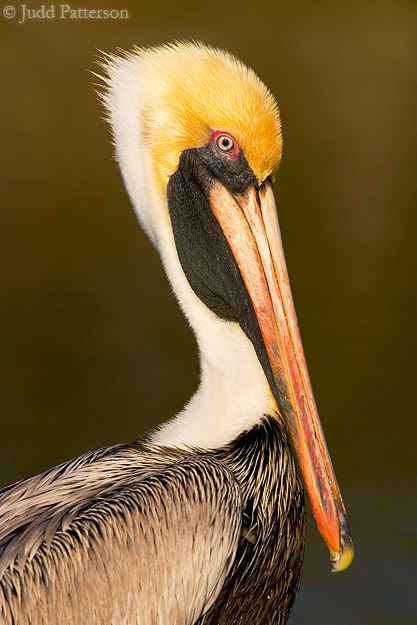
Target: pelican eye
225 143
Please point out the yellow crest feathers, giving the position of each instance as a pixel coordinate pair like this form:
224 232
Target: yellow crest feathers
190 89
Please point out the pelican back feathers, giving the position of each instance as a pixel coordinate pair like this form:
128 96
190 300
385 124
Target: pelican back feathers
154 535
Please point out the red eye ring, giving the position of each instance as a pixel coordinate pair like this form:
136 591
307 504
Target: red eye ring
225 145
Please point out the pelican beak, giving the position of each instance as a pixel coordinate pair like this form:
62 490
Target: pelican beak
250 225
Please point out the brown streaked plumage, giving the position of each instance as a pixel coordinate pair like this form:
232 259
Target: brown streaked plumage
202 521
155 524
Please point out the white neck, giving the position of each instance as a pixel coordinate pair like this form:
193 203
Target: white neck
234 394
227 403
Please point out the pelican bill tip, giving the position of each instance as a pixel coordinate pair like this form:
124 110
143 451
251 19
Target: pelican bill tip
342 559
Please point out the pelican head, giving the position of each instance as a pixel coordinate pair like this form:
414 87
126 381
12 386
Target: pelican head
198 140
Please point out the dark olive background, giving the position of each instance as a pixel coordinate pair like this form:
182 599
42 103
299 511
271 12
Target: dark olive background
93 349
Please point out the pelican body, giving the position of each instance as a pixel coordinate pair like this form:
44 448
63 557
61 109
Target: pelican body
202 521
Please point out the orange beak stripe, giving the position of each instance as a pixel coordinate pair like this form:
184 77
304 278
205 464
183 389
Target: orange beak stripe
250 225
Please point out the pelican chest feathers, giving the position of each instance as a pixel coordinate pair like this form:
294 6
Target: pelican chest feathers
202 521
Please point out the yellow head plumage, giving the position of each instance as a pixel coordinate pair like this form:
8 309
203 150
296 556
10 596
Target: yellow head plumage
190 89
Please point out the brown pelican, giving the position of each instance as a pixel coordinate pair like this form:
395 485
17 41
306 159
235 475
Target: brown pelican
202 521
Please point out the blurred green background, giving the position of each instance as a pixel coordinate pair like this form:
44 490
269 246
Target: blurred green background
93 349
